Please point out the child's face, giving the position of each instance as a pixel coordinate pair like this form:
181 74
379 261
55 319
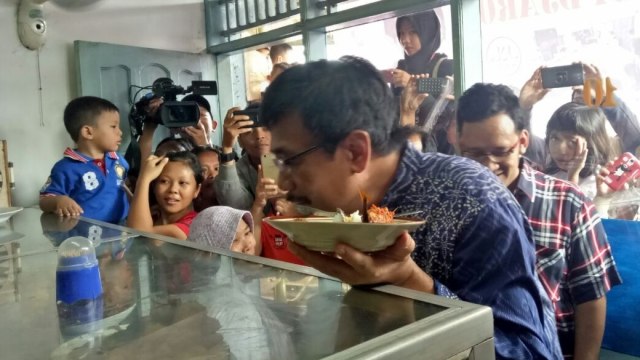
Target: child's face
107 135
563 148
409 38
244 241
210 164
176 188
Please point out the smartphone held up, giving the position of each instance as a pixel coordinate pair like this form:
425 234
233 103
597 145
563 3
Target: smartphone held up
625 168
562 76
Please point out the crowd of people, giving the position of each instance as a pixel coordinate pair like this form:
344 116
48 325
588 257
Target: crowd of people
513 220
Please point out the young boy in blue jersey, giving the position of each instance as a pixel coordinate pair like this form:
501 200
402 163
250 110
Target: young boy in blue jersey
89 180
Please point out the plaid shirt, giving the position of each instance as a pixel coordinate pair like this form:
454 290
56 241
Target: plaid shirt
477 245
574 259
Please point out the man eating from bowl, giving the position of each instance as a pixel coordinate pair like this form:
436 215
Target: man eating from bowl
335 132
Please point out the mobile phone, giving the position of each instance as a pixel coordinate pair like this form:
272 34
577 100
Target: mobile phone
626 167
269 168
253 114
432 86
562 76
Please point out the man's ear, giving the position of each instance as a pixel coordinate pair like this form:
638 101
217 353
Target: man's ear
524 141
197 191
452 133
357 149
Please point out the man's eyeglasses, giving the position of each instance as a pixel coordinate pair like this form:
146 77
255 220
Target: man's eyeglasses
286 164
494 156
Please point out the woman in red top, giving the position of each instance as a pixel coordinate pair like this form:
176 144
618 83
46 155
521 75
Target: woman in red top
175 179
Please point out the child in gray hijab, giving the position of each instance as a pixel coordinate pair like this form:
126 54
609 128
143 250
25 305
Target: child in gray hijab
226 228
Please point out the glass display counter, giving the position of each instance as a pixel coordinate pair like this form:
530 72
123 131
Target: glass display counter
170 299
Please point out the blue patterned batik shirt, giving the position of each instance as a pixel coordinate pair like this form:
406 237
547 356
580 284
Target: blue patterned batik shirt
477 246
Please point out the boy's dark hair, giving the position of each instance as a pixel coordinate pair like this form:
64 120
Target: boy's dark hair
279 50
190 159
588 122
334 98
84 111
482 101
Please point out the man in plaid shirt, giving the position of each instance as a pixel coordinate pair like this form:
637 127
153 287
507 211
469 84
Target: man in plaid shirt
574 260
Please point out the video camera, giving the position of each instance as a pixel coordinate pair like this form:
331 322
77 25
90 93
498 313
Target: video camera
171 113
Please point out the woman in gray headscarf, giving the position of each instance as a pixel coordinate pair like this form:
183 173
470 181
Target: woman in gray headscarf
226 228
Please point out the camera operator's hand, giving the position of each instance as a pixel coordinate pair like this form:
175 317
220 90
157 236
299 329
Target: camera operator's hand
152 110
233 127
532 91
198 134
150 125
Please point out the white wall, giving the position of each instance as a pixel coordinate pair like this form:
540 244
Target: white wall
36 142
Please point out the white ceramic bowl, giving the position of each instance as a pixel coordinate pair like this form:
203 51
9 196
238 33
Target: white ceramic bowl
7 212
322 234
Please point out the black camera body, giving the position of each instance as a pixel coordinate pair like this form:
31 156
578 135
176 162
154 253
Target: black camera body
172 113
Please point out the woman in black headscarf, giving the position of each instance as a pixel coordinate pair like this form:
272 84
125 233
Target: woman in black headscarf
419 35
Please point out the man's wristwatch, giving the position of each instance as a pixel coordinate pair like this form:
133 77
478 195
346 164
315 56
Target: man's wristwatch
224 158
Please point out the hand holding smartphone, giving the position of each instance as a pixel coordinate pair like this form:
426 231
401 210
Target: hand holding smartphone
253 116
269 168
625 168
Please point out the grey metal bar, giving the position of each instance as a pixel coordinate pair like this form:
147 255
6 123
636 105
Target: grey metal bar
237 14
247 20
226 5
277 2
255 11
258 23
437 337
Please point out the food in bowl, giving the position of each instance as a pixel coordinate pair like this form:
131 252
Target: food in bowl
380 214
